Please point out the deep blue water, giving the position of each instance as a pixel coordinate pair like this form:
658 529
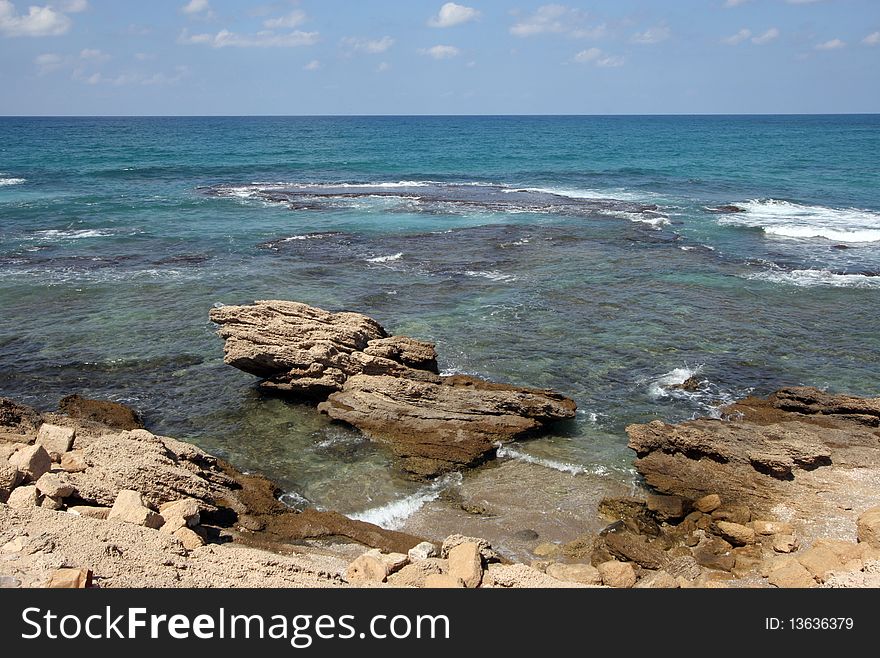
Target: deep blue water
580 253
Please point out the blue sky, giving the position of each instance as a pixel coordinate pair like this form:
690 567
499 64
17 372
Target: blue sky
199 57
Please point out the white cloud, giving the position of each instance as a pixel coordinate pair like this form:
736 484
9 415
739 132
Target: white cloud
384 66
48 62
834 44
737 38
872 39
74 6
452 14
38 22
369 46
599 58
314 65
728 4
156 79
264 39
196 7
290 21
440 52
766 37
91 53
652 35
555 19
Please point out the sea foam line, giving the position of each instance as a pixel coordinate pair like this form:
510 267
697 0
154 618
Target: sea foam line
393 515
813 278
787 219
4 182
564 467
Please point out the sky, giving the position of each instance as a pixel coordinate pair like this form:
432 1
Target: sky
309 57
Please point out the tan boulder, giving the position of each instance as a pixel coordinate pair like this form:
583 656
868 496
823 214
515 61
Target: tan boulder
51 484
55 439
772 528
585 574
708 504
820 561
617 574
466 564
70 579
374 566
184 513
415 573
791 575
868 527
52 503
422 551
735 533
24 497
130 507
33 461
658 580
188 538
442 581
667 508
785 543
73 461
10 476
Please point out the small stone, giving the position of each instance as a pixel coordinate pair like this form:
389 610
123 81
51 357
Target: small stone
715 554
51 484
868 527
55 439
442 581
14 545
540 565
736 534
73 462
131 508
708 504
9 476
585 574
24 497
415 573
70 579
657 580
9 582
617 574
189 539
667 508
633 548
90 512
33 461
52 503
422 551
488 553
748 559
526 535
772 528
178 514
547 549
366 568
785 543
466 564
819 561
683 567
792 575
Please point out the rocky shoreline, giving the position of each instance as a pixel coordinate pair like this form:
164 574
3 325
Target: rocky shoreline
780 492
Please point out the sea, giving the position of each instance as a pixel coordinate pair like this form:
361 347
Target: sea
610 258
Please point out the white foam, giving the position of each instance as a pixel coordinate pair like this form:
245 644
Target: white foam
564 467
308 236
393 515
793 220
659 388
616 194
813 278
650 218
72 234
385 259
4 182
293 499
492 275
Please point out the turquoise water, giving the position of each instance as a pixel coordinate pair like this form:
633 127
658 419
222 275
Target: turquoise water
579 253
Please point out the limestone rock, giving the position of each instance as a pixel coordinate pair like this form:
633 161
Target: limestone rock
434 427
715 554
466 564
442 581
772 528
627 546
791 575
868 527
708 504
18 423
51 484
683 567
70 579
73 461
586 574
658 580
667 507
617 574
56 439
422 551
415 573
415 354
820 561
112 414
33 461
90 512
184 513
130 507
52 502
785 543
739 514
374 566
10 476
24 497
488 553
188 538
736 534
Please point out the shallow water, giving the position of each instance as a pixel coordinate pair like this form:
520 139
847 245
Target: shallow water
579 253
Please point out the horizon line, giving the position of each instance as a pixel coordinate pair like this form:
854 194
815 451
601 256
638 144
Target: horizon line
426 115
